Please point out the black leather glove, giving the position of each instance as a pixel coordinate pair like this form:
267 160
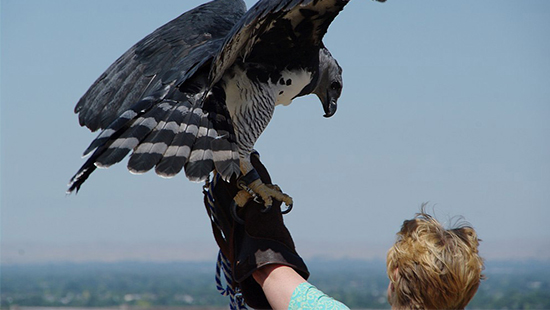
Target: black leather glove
252 238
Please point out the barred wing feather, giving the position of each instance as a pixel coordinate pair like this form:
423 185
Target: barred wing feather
170 135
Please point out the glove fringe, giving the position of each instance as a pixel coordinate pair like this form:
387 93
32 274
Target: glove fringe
236 300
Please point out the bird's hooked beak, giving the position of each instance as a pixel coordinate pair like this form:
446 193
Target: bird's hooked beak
329 86
330 104
329 94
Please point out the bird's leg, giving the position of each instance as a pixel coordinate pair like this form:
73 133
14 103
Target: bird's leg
251 181
242 197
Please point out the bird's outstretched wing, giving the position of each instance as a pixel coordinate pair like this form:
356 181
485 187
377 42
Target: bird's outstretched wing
138 103
297 22
157 59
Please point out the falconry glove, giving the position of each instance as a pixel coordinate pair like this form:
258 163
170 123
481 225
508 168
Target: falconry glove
252 236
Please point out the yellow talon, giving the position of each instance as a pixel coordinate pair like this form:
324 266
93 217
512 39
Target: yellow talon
242 198
269 192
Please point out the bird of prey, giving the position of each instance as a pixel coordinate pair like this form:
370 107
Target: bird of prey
196 94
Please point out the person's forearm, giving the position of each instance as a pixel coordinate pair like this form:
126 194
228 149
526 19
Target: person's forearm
278 283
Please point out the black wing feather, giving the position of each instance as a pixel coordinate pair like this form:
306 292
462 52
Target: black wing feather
249 30
147 61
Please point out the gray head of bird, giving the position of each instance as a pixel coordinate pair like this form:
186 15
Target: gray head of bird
330 82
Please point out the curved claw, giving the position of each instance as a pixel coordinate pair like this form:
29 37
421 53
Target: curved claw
287 210
234 214
266 209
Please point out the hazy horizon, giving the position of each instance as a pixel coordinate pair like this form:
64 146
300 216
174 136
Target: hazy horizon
110 252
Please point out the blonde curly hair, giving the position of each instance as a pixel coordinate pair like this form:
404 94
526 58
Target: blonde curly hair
431 267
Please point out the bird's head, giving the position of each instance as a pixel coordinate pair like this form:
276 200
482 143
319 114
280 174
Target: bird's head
330 83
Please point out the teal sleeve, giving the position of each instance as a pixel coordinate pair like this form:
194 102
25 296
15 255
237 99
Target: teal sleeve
307 296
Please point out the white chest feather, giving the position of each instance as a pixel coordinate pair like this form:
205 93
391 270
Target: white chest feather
290 85
251 103
241 93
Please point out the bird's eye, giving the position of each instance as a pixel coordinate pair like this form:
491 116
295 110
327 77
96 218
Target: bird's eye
335 86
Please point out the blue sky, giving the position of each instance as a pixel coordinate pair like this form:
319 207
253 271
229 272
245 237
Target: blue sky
443 102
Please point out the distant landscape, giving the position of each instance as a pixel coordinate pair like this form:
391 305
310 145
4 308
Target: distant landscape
359 284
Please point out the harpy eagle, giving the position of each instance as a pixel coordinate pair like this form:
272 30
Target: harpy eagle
196 94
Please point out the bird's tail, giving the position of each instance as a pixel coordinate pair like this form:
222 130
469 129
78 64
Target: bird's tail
169 135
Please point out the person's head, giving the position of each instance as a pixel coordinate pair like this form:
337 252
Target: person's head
431 267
